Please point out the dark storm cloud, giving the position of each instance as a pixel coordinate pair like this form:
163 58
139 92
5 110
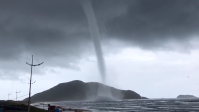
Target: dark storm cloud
54 31
48 29
152 23
57 30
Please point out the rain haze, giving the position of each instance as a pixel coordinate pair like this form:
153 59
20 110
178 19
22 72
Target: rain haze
150 47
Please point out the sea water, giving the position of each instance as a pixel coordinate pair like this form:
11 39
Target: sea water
149 105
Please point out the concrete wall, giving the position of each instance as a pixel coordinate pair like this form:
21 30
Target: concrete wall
1 109
14 111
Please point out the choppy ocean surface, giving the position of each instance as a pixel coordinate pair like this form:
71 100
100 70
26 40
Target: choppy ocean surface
151 105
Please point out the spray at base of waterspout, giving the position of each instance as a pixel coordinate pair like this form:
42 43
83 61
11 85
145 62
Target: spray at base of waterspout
104 98
104 94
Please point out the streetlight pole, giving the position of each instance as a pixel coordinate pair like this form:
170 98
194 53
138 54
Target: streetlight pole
9 95
16 94
32 65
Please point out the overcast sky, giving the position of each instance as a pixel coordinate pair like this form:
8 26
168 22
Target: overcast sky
150 46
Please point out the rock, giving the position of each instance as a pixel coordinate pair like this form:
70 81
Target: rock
144 98
186 97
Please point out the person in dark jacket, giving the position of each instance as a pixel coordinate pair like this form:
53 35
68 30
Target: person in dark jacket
51 108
